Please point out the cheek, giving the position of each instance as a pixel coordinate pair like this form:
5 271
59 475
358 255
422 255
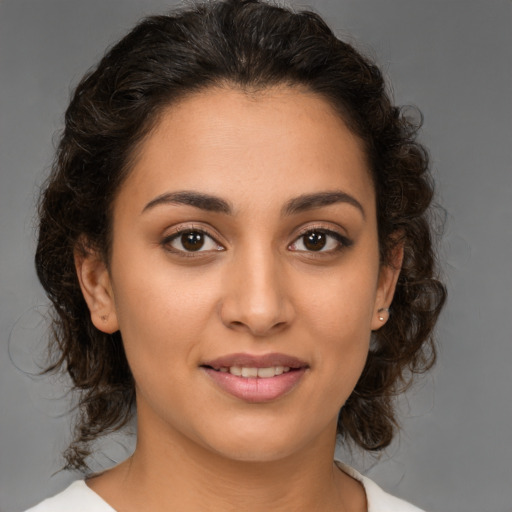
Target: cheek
342 302
161 312
343 343
338 315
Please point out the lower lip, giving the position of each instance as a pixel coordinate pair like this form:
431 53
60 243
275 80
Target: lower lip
256 390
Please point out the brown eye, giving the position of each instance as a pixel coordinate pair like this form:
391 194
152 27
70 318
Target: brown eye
320 240
192 240
314 241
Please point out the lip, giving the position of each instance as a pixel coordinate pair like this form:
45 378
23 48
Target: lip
254 389
256 361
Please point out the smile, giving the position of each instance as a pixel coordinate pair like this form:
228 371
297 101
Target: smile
252 372
256 379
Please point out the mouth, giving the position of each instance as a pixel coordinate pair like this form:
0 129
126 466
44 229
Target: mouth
252 372
251 366
256 379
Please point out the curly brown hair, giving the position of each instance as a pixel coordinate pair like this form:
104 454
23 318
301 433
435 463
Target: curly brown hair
247 44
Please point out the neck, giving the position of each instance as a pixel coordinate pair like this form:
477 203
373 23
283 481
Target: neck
174 473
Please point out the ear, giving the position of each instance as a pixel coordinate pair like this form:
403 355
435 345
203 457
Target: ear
388 277
95 283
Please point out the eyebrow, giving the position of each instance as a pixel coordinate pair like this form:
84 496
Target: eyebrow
199 200
216 204
318 200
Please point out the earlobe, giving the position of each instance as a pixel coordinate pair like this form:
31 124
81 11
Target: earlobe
95 284
388 277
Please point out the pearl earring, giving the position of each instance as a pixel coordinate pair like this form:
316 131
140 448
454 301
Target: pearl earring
381 316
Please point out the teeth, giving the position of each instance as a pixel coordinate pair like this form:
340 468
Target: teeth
249 372
235 370
262 373
265 373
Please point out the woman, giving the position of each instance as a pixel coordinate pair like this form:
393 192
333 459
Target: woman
235 240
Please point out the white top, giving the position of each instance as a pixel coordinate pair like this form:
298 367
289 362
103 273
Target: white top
78 497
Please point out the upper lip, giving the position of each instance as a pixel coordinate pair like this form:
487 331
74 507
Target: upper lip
255 361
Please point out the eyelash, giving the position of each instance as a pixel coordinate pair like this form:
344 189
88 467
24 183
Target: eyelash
166 242
342 241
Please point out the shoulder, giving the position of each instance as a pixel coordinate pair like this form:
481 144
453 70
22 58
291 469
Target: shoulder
76 498
378 499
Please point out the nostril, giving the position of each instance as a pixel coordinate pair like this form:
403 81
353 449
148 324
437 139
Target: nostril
254 315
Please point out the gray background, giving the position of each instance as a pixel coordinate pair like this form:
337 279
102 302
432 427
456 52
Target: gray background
453 60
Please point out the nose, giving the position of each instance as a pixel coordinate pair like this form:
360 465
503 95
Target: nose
255 298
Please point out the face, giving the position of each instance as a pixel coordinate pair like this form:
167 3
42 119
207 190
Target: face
244 275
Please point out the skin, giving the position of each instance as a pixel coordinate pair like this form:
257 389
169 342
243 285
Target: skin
255 288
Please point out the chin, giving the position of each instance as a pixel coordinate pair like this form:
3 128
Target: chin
256 453
266 445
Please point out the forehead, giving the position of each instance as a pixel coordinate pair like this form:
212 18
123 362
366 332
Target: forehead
278 142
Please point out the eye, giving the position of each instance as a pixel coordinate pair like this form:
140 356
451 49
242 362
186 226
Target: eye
191 240
319 240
